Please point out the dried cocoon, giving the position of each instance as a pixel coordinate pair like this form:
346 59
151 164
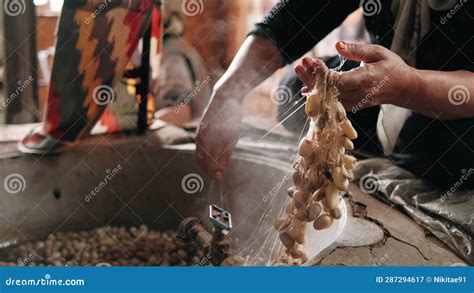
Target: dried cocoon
322 222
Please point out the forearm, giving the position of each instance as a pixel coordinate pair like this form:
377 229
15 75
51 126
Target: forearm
256 60
444 94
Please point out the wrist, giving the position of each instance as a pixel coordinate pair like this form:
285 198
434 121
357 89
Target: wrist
418 85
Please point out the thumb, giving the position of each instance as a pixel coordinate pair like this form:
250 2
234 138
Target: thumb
359 52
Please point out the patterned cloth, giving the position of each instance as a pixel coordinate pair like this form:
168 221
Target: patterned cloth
95 41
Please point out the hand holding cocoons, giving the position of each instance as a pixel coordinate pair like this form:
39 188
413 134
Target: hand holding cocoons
323 171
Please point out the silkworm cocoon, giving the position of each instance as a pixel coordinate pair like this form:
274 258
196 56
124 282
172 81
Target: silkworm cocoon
349 161
332 197
299 199
335 213
290 207
319 194
340 181
311 107
302 214
298 179
291 190
313 212
322 222
347 143
286 239
297 233
280 223
348 174
348 130
299 254
305 147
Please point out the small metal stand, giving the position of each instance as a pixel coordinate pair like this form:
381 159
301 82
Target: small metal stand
217 246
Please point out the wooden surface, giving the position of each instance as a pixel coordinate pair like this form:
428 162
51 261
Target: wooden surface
405 243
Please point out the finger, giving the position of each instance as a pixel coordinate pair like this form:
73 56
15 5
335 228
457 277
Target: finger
305 90
308 70
302 71
361 52
317 67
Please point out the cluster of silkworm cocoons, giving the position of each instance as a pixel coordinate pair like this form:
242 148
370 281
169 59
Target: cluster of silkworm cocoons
106 246
322 172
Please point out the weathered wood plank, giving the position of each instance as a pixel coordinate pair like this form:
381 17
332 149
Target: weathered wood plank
19 56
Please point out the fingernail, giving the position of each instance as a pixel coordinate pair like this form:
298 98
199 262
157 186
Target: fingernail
342 45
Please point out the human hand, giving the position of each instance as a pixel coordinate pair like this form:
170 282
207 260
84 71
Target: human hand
382 78
217 134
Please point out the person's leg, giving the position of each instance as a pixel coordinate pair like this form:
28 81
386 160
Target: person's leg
94 44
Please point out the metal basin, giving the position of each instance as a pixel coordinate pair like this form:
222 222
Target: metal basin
126 183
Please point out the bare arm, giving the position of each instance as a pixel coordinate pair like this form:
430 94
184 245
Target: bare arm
444 94
386 79
256 60
218 132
